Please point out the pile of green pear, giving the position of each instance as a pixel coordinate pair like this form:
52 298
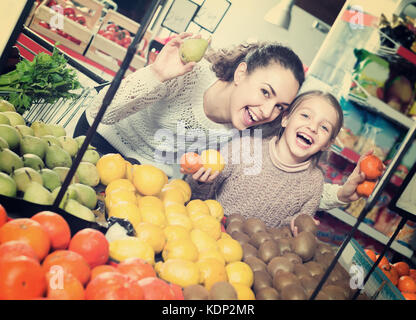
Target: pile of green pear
35 159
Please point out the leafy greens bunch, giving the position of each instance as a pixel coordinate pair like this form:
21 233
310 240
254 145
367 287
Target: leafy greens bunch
46 78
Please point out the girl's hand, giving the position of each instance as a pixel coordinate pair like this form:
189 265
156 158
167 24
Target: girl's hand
295 229
168 64
204 175
348 192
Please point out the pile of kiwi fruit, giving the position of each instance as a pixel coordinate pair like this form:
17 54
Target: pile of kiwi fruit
288 267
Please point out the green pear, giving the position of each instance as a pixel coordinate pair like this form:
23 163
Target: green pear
33 145
193 49
24 130
3 143
57 157
14 118
62 172
6 106
69 194
77 209
57 130
4 119
69 145
87 173
80 140
33 161
37 193
41 129
86 195
91 156
24 176
51 180
10 134
50 140
9 161
7 185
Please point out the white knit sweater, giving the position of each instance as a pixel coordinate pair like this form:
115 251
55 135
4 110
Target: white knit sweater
143 106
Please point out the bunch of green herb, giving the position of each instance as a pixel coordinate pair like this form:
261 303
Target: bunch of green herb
47 78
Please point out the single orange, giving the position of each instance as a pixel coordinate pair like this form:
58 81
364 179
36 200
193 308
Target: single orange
402 268
66 261
3 215
190 162
407 284
371 254
92 245
372 167
21 278
366 188
56 227
113 286
409 296
384 262
27 230
392 274
102 269
16 248
66 288
136 269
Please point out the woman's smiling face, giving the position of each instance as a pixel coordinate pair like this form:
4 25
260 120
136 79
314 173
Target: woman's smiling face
260 97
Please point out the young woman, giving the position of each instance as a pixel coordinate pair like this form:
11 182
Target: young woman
245 86
284 180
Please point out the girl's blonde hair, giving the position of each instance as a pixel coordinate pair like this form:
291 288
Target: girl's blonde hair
331 100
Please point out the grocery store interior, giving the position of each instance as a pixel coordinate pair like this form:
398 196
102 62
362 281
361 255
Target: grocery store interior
363 52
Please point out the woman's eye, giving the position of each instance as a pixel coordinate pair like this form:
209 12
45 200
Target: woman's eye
304 115
265 93
280 107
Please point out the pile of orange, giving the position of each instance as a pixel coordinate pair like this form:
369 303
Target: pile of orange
399 273
39 259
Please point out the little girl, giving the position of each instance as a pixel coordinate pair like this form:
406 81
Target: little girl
285 180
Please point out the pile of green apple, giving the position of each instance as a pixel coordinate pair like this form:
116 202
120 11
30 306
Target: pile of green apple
35 159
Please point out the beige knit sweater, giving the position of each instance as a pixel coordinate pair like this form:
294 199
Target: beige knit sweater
264 188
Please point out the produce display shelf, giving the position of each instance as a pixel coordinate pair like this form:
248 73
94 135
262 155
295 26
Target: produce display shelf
376 105
368 230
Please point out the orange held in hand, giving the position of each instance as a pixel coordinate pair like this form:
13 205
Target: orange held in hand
372 167
366 188
190 162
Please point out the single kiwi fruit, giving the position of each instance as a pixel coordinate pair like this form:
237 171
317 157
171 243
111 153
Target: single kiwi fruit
255 264
304 245
315 268
267 293
234 217
301 271
236 225
195 292
335 274
262 279
309 284
253 225
268 250
240 236
222 290
279 264
259 237
305 222
282 279
293 291
293 257
248 250
283 232
334 292
323 247
324 258
284 245
344 284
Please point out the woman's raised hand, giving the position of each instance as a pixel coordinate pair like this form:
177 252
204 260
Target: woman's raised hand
204 175
168 64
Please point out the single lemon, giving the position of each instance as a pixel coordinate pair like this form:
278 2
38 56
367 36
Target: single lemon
179 249
111 167
212 159
126 210
239 272
215 209
208 224
177 232
131 247
184 186
120 184
231 250
203 240
211 271
153 215
148 179
243 292
179 219
178 271
151 234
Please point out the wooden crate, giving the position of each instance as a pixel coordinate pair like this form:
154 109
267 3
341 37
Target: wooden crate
83 33
107 52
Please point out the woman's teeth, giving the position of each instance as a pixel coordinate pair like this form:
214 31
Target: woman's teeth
252 116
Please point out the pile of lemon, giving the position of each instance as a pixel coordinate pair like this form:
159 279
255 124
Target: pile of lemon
186 233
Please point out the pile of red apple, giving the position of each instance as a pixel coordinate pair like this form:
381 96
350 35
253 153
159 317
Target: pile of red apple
116 34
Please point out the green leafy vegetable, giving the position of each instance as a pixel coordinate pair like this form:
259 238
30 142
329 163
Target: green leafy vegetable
46 78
